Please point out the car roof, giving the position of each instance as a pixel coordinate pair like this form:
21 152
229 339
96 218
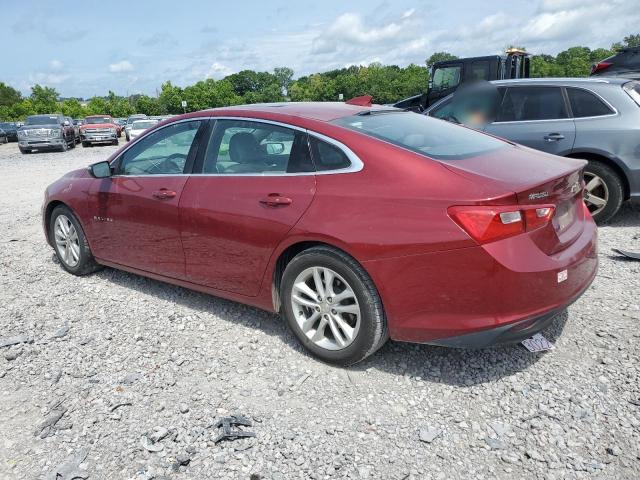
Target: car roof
563 81
322 111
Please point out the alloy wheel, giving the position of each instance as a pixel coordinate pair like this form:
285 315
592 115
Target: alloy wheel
67 241
596 193
326 308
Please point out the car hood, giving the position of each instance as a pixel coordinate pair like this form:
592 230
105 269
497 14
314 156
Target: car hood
515 168
79 173
98 125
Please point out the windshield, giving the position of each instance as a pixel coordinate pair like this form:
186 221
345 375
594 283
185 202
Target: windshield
41 120
95 120
421 134
7 126
143 124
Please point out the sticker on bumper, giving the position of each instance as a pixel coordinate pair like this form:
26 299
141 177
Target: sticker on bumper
562 276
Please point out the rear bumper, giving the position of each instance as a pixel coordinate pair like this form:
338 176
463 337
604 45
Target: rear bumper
99 138
474 297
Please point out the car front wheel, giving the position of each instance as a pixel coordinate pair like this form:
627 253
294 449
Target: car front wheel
70 243
603 191
332 306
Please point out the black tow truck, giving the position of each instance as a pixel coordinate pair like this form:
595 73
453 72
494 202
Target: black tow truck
446 76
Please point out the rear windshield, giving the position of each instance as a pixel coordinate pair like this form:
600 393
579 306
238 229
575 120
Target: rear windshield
434 138
42 120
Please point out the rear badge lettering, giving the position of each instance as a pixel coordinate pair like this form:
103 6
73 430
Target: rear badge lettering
538 195
103 219
562 276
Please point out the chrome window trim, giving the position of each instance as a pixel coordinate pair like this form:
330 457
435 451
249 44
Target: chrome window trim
356 164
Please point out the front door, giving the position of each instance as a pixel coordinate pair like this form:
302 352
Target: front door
135 213
256 181
535 116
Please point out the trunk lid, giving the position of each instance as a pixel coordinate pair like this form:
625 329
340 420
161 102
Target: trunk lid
535 178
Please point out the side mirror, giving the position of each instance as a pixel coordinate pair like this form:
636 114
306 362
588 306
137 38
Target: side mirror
100 170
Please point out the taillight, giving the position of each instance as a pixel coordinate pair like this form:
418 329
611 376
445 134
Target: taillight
488 223
600 66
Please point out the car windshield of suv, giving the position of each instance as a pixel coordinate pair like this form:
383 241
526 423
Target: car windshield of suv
41 120
7 126
434 138
143 124
95 120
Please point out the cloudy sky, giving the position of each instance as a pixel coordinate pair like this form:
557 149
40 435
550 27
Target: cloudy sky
87 48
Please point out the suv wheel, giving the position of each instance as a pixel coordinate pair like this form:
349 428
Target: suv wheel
70 243
603 192
65 146
24 150
332 306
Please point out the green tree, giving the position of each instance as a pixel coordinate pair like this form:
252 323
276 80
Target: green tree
9 96
632 40
72 108
440 57
284 77
44 99
147 105
170 98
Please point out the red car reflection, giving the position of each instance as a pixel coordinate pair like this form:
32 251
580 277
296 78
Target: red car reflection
356 223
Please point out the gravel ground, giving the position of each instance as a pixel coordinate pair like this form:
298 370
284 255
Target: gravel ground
123 377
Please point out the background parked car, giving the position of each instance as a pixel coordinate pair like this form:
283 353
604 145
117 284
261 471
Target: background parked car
76 129
594 119
130 120
138 127
625 63
3 136
11 129
46 132
99 129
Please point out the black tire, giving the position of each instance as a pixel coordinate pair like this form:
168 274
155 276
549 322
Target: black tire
372 333
24 150
64 147
115 142
614 187
85 144
86 263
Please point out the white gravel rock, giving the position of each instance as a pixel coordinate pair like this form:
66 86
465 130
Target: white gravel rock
70 344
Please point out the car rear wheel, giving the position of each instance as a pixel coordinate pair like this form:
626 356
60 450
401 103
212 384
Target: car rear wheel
70 243
603 192
25 150
332 306
64 147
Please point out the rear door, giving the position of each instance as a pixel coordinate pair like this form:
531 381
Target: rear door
256 180
535 116
136 220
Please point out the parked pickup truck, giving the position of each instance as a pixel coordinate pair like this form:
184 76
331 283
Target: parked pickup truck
46 132
99 129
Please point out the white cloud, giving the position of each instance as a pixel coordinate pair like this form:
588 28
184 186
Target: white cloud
56 65
121 67
218 70
42 78
349 28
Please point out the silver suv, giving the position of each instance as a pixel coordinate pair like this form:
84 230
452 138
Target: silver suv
597 119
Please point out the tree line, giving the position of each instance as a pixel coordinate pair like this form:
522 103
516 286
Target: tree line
386 83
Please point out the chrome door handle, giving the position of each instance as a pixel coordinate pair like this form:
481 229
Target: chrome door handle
554 137
164 194
275 200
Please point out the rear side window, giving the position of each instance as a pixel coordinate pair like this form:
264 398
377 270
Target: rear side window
586 104
327 156
532 103
422 134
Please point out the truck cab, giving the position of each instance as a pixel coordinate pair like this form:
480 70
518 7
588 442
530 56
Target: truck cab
445 77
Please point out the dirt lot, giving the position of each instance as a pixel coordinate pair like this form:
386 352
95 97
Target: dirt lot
124 378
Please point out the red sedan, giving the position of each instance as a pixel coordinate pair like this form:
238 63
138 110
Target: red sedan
356 223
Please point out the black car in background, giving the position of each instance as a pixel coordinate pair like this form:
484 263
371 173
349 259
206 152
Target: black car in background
3 136
625 63
11 130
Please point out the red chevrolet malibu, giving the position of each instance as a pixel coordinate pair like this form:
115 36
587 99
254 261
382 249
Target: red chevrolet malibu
356 222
